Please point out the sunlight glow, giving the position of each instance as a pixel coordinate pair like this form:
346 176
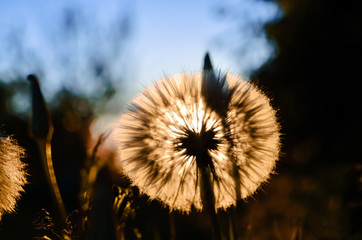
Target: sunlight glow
12 174
156 151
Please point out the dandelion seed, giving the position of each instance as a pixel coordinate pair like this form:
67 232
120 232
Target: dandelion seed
221 119
12 174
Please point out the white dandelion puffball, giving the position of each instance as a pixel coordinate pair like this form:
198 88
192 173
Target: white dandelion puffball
12 174
180 117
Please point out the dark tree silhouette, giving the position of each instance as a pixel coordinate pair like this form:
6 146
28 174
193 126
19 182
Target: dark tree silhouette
313 81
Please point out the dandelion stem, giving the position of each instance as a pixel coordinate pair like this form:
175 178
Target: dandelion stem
234 224
172 227
234 219
234 213
207 193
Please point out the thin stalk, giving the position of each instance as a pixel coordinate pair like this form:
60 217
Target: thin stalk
46 155
234 224
172 227
234 213
207 195
231 228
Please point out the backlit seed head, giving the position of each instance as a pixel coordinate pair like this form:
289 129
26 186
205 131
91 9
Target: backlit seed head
189 116
12 174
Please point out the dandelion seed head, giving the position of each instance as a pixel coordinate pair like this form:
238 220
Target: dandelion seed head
170 123
12 174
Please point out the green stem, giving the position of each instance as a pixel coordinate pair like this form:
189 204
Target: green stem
46 155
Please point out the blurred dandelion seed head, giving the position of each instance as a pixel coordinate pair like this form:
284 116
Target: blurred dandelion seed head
12 174
173 121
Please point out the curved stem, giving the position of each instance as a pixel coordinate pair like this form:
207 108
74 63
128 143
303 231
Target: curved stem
46 155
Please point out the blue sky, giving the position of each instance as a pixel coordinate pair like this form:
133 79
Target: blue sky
175 37
166 37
